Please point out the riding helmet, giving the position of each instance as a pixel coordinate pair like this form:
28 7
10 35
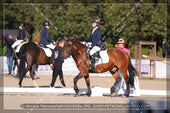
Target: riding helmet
21 24
95 20
46 23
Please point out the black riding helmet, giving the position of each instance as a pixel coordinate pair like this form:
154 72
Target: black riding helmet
46 23
97 20
21 24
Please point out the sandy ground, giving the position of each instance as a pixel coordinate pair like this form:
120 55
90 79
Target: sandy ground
16 100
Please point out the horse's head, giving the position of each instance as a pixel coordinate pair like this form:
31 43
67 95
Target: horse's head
7 40
72 46
68 47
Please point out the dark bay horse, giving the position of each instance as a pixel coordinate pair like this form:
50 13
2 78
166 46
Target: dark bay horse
32 55
117 60
8 42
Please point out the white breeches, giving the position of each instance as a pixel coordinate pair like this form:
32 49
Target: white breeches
16 43
94 50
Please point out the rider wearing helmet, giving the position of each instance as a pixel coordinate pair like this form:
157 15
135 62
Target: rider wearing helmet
45 40
21 32
21 36
95 38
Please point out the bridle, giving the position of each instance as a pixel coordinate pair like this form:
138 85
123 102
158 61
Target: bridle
71 52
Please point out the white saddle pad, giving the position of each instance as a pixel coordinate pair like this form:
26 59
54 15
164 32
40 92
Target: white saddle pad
104 58
47 51
18 48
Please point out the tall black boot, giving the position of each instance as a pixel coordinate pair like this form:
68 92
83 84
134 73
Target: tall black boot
92 68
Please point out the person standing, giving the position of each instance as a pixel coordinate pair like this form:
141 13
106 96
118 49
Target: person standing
56 63
121 46
121 84
9 54
45 40
95 38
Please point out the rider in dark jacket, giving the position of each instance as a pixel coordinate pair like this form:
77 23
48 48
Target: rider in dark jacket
45 40
95 38
21 32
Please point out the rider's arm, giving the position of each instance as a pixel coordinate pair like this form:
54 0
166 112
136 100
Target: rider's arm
89 39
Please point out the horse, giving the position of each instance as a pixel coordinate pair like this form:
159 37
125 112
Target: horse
118 60
8 42
32 55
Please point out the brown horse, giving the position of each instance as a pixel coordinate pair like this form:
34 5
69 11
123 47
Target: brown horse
117 60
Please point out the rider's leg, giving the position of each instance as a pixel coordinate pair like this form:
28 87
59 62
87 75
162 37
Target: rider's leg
14 45
92 52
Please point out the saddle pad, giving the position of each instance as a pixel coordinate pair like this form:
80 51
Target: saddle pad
47 51
104 58
18 48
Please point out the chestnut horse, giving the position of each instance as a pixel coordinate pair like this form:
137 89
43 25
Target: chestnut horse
118 60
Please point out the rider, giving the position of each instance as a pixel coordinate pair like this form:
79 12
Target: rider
21 35
95 38
45 40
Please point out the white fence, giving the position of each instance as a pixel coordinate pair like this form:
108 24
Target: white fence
70 68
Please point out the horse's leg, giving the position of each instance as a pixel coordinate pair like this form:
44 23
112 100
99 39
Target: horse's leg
117 78
23 74
127 84
15 64
32 76
87 79
79 76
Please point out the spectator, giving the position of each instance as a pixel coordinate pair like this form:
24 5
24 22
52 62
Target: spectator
9 54
122 46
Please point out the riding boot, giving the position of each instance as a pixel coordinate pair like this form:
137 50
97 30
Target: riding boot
92 68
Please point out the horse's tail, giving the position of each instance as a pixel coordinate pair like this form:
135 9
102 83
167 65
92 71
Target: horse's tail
21 67
132 73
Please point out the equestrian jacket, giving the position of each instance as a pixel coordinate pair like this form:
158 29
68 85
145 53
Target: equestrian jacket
45 40
56 55
95 37
21 34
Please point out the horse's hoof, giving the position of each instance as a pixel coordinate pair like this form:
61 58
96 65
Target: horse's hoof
78 93
112 95
52 87
88 94
126 95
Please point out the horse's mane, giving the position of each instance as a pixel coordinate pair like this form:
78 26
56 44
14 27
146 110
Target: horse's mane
76 40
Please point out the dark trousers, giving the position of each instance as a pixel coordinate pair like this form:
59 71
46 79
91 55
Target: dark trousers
57 71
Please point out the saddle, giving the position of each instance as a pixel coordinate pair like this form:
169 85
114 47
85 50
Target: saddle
100 57
47 50
17 48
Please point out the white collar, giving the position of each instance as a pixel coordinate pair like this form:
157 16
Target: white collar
94 29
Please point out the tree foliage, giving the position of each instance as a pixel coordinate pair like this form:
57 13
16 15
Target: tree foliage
132 21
